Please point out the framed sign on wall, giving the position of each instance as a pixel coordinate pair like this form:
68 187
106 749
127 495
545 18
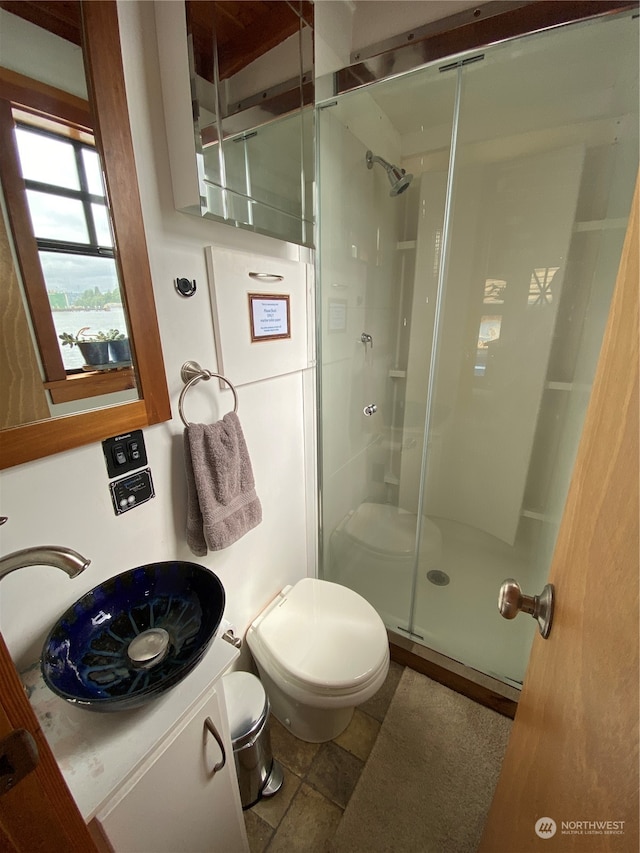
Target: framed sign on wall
269 316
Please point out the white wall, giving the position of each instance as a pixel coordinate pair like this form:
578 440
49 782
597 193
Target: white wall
64 499
49 58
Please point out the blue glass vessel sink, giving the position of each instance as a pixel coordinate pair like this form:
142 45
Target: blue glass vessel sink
134 636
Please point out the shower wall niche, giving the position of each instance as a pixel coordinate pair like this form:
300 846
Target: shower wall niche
485 288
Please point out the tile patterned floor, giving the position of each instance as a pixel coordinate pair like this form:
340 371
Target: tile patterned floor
319 779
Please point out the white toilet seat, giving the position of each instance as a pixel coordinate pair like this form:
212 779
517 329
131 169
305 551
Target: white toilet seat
321 639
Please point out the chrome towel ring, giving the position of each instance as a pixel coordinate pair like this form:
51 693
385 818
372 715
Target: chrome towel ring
191 374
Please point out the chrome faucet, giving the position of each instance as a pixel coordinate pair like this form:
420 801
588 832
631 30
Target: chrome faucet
44 555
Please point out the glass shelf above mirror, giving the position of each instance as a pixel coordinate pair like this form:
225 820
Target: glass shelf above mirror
240 112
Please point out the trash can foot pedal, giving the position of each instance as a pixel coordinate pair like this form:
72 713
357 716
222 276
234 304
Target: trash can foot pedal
274 782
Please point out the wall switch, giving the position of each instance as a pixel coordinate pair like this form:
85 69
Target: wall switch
119 456
124 453
133 451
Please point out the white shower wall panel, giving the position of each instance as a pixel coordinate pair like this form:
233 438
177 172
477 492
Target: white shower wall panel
359 295
524 213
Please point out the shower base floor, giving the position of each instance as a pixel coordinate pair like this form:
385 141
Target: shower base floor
459 620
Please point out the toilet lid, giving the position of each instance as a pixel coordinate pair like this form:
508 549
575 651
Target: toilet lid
325 635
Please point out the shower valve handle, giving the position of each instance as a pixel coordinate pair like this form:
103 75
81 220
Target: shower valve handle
512 600
371 409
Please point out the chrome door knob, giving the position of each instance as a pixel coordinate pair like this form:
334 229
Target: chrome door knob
371 409
512 600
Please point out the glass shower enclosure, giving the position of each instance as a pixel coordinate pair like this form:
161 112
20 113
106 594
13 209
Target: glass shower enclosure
460 322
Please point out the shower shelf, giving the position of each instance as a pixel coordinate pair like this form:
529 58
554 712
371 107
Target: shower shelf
559 386
600 224
397 374
403 444
406 244
537 516
568 386
391 480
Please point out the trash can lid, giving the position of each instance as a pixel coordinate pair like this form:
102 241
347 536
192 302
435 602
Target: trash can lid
247 706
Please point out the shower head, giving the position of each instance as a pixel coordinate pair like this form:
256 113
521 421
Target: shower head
398 178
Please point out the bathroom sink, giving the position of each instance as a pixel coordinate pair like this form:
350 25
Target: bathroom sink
134 636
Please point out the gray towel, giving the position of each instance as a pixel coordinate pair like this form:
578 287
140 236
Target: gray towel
222 504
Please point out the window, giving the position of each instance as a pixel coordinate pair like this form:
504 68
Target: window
70 222
54 190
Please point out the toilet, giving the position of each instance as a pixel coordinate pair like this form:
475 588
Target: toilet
320 649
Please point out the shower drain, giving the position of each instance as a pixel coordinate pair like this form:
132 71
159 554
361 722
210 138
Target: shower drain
438 578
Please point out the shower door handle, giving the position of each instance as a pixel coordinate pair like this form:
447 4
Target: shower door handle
371 409
512 600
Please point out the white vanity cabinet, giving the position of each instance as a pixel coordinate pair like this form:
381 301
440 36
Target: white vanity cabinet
176 800
142 779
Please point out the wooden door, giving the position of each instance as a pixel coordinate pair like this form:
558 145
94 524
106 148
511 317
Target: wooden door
39 814
572 758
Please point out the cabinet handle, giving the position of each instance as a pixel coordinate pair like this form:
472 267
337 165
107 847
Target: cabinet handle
212 729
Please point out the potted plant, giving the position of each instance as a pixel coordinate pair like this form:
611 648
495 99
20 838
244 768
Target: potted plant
101 348
94 348
119 349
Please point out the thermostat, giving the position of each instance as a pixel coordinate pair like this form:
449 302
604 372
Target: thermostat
131 491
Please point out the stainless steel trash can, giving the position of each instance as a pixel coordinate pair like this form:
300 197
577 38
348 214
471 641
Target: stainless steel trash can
248 711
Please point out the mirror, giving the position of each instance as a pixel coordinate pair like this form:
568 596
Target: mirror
57 213
251 87
95 26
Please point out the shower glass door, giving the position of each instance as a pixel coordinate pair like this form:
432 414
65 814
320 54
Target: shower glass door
367 252
485 288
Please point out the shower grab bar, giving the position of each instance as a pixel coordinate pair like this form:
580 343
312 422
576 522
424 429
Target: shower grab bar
191 373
